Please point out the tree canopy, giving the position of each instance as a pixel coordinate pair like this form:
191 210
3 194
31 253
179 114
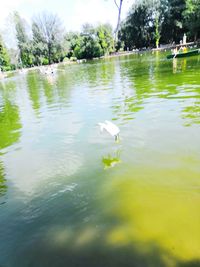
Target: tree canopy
148 23
91 42
48 35
4 57
151 22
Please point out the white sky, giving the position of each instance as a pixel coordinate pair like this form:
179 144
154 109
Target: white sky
74 13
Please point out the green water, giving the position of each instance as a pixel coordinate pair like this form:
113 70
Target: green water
71 196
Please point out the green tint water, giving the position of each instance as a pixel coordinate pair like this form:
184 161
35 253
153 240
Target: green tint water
71 196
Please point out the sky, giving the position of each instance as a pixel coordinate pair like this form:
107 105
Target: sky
73 13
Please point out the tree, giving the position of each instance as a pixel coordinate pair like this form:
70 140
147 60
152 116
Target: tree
91 42
23 41
104 33
40 48
172 26
157 12
150 22
137 29
48 32
192 18
119 7
4 57
87 46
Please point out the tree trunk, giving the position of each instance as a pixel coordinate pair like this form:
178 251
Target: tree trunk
118 19
49 53
157 32
195 37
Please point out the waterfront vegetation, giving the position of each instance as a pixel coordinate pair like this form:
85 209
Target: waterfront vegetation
148 23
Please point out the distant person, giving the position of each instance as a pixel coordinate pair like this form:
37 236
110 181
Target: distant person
184 39
184 49
175 51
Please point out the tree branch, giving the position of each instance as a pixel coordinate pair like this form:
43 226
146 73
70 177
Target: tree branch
116 4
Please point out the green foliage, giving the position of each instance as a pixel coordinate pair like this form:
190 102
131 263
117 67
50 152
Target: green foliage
46 45
88 46
92 42
9 125
192 18
44 61
4 57
137 29
48 38
150 22
104 33
40 49
3 186
20 29
24 44
173 28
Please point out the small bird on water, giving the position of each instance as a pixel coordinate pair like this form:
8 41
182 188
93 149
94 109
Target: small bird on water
111 128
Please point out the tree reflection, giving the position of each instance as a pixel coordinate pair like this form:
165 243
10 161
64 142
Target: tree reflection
150 76
33 82
126 111
192 114
9 133
9 124
3 186
49 89
134 73
98 73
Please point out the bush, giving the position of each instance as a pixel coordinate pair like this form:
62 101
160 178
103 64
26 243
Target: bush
45 61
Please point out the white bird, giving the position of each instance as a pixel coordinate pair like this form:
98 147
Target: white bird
111 128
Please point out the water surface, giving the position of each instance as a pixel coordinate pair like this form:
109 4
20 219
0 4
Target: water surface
71 196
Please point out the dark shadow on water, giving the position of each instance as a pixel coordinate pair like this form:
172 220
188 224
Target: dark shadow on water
194 263
74 230
96 254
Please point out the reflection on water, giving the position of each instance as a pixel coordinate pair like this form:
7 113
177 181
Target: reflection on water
3 186
179 65
174 65
9 124
192 113
9 127
33 87
62 208
111 160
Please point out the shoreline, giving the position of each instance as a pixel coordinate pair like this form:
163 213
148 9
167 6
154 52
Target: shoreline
5 74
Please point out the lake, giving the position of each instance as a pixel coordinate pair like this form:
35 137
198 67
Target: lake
72 196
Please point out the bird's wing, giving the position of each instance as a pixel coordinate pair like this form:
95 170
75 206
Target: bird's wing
114 128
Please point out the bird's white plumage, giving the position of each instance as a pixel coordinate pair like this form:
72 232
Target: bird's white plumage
110 127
